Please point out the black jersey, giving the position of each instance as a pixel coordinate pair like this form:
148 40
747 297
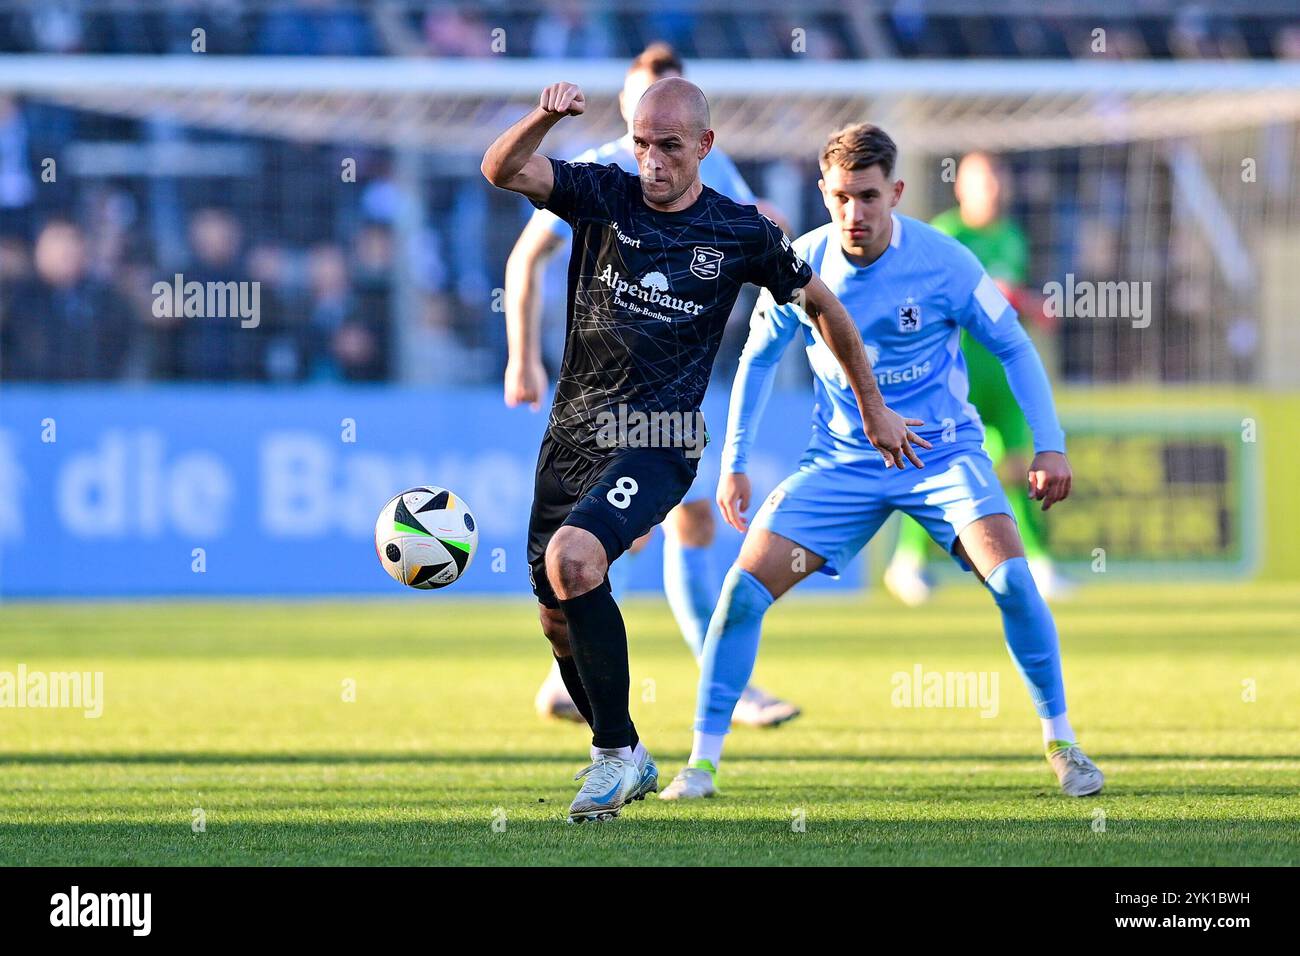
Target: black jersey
650 293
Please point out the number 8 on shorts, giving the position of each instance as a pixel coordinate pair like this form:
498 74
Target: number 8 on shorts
620 496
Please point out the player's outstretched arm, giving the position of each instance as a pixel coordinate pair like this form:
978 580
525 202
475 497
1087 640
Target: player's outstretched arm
886 430
512 161
992 321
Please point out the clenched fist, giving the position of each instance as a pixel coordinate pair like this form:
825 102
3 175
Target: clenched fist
563 98
525 384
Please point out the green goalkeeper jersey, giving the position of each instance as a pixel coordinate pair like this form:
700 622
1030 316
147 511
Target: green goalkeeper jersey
1002 250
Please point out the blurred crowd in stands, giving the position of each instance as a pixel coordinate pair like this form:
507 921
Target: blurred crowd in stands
81 256
81 250
620 28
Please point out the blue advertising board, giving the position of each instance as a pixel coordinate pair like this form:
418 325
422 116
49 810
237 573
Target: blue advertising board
211 491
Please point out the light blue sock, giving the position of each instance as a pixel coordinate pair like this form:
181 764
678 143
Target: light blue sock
730 649
690 589
1030 633
620 572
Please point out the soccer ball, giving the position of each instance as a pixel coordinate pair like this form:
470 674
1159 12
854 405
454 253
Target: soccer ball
426 537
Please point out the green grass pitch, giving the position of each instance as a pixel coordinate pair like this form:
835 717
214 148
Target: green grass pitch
238 710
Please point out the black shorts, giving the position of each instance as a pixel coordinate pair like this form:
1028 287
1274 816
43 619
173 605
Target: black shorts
618 498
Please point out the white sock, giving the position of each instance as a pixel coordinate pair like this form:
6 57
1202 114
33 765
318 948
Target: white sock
623 753
639 753
1057 728
707 747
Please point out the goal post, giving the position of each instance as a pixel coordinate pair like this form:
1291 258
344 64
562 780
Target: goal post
761 108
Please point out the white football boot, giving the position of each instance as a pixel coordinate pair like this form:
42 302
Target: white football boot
609 783
757 708
693 783
1078 775
649 779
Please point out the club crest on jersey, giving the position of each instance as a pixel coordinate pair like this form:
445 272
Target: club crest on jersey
909 317
706 262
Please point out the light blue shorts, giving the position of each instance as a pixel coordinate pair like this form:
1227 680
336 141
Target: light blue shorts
832 508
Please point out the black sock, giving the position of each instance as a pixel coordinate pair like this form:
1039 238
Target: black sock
578 693
598 640
573 684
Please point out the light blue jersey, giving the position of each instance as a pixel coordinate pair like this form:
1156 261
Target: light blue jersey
910 306
717 171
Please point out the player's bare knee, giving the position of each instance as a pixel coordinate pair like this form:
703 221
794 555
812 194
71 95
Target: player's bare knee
575 575
988 542
573 566
692 524
776 562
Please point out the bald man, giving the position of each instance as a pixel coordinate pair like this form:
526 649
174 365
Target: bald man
691 579
657 262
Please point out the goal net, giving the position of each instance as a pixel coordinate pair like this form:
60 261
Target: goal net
1178 176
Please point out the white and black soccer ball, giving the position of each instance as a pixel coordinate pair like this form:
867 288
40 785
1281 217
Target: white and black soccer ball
426 537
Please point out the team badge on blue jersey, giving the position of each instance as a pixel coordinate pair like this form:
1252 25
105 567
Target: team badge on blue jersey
706 262
909 317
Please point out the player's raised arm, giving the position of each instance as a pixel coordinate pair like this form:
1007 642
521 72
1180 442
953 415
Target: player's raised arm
512 161
886 429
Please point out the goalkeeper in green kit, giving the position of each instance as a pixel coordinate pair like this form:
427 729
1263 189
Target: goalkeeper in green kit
998 243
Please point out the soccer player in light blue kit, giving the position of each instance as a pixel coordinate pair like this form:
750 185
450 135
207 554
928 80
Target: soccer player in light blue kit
691 581
911 291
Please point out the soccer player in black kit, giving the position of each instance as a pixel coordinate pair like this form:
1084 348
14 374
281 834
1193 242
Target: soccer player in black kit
657 262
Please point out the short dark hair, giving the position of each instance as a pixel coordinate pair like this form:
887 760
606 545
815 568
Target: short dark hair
660 59
860 146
